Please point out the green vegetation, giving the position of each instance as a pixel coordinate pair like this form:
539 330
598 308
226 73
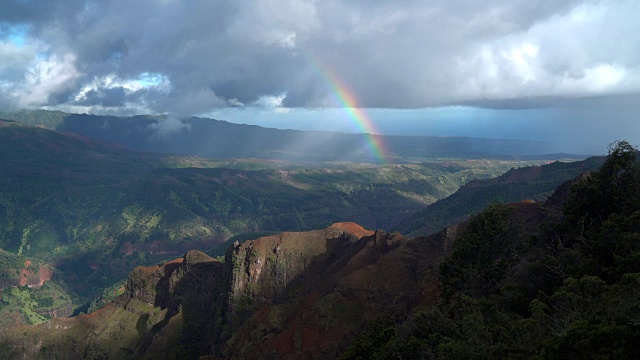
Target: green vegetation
211 138
98 210
371 344
512 287
483 255
553 280
534 183
22 304
108 295
21 298
568 289
45 118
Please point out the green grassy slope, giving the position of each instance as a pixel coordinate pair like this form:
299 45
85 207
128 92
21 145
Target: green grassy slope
535 183
95 210
43 118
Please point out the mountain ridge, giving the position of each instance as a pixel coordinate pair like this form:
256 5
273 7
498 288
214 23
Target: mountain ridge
219 138
532 182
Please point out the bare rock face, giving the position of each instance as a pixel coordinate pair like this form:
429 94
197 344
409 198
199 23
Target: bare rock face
336 281
292 295
161 307
143 281
192 292
30 275
262 269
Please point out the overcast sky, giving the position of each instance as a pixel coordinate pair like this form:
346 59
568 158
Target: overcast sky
493 68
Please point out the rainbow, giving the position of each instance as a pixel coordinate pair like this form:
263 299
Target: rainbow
348 101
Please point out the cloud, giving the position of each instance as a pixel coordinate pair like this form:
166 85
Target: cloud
166 127
271 102
565 56
118 56
46 78
111 92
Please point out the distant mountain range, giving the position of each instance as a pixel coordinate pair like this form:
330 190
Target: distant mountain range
220 139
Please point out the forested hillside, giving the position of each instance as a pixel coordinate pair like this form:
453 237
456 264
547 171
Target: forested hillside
95 210
528 183
522 281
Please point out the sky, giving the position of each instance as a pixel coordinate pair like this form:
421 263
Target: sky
546 70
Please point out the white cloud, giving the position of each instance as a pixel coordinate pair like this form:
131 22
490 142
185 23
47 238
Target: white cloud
270 101
145 80
168 127
567 55
597 79
235 102
274 22
179 58
46 77
523 60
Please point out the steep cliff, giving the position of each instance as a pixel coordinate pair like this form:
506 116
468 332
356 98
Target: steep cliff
163 313
292 295
339 291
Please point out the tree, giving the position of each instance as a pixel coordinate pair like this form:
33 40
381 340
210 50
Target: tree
601 215
482 255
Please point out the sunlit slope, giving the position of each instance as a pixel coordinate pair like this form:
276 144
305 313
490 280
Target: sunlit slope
30 293
96 210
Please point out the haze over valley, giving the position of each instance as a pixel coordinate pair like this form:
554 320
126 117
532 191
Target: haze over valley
302 179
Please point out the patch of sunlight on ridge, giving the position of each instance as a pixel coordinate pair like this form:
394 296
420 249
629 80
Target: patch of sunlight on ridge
285 177
422 199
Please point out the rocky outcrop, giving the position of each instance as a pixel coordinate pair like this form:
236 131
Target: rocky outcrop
31 275
262 269
292 295
159 302
143 282
330 292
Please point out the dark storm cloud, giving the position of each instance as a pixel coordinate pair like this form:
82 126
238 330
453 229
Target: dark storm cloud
14 11
204 54
608 102
39 12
